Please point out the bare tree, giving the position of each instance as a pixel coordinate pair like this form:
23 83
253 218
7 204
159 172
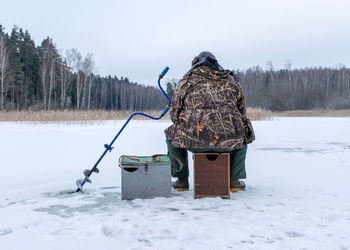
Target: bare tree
269 67
52 77
63 74
49 60
88 66
76 57
4 65
43 75
288 66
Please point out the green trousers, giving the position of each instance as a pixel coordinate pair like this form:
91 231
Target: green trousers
237 160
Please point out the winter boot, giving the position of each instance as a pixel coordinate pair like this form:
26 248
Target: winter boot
181 184
236 185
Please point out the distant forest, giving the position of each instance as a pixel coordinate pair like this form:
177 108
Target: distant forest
293 89
40 78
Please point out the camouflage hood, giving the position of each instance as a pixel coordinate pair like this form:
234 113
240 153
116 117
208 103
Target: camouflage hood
208 111
206 58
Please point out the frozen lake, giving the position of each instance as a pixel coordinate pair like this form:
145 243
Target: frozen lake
297 195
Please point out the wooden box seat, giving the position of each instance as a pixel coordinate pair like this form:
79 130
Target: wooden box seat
211 175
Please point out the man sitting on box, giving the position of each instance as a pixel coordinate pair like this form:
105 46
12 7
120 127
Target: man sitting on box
209 115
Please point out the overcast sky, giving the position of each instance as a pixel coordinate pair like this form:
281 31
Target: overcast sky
138 39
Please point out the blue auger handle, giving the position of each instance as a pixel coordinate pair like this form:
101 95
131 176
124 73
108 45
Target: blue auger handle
109 146
164 72
160 87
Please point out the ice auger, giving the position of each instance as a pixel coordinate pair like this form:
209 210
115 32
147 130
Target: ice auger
108 147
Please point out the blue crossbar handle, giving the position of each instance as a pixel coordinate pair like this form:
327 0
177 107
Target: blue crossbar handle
109 147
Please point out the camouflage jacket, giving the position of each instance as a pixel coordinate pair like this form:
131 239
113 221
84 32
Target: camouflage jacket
208 111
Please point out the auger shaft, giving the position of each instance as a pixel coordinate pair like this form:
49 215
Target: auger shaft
108 147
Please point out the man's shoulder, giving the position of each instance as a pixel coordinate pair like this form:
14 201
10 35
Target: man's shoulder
211 73
204 73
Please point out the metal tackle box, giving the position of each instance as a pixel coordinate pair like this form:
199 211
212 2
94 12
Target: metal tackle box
145 176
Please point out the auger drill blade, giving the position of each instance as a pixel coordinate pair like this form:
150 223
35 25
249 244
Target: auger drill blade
80 184
86 172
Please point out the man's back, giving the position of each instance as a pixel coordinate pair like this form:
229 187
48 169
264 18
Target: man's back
208 111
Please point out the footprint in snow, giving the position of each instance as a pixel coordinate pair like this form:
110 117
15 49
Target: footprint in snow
293 234
113 187
5 231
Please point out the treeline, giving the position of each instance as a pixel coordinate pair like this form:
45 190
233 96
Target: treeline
290 89
40 78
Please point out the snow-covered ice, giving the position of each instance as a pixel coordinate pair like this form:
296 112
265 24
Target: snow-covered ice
297 197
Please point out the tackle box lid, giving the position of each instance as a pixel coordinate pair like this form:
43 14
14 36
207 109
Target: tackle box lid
142 160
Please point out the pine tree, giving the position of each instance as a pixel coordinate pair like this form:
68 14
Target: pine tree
16 79
29 59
